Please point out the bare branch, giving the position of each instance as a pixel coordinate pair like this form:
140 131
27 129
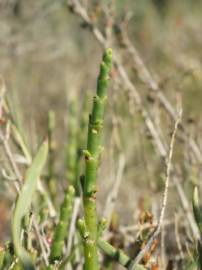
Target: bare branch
165 199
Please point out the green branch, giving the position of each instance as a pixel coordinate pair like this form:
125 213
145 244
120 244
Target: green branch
62 226
91 158
117 255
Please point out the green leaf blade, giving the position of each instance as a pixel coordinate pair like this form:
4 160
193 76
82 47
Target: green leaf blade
24 201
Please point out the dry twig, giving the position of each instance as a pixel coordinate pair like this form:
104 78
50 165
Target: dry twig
164 202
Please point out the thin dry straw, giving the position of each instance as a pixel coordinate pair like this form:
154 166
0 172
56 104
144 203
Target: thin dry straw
165 197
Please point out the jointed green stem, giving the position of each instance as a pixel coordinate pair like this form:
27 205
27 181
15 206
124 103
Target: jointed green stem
117 255
62 226
92 157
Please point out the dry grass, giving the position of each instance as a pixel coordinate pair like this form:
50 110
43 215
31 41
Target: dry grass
49 54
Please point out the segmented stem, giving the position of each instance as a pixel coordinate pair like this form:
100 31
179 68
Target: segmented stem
117 255
91 159
62 226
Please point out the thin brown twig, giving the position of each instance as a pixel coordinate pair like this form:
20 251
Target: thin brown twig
147 78
164 201
137 227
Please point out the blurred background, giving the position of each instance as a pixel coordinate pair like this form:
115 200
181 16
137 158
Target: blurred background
49 57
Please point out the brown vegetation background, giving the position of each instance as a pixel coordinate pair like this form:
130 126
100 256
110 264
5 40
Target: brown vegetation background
49 55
